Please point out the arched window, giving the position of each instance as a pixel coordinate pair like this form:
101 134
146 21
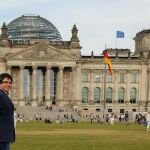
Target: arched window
97 95
85 92
121 95
133 95
109 95
27 83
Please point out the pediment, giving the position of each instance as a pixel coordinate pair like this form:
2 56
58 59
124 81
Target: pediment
42 52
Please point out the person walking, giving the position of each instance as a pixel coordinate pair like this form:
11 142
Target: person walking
15 118
7 130
91 118
126 118
111 119
148 121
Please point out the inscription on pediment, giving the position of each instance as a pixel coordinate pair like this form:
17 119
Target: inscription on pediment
39 51
42 52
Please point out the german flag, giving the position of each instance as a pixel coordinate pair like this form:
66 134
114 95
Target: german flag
107 61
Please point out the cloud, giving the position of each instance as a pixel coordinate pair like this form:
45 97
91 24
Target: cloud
96 20
6 5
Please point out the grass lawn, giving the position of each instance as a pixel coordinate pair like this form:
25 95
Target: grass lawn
80 136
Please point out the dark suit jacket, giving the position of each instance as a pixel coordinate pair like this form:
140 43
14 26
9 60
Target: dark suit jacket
7 132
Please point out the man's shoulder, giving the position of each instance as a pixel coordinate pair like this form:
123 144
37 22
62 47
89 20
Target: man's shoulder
1 92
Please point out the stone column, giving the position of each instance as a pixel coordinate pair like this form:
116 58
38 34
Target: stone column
57 85
34 95
148 82
91 94
127 104
116 86
21 86
103 87
73 91
115 101
61 83
144 84
139 91
148 99
128 86
9 69
48 86
78 84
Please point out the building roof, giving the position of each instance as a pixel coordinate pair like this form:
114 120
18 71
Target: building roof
28 27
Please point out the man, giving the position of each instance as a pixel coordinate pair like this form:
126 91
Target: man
126 117
7 131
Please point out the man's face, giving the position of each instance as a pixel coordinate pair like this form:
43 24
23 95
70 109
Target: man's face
6 84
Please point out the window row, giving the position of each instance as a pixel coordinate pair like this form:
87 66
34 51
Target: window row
122 77
122 111
108 95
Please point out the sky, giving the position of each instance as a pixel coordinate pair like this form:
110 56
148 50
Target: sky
97 20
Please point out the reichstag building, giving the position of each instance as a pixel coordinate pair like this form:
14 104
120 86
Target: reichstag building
47 70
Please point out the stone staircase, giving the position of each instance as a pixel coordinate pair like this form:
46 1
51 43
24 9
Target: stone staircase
29 112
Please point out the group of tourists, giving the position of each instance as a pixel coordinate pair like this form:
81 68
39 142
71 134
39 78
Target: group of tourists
143 119
109 118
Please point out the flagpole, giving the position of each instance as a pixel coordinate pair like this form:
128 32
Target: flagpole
104 91
116 43
105 46
104 88
107 61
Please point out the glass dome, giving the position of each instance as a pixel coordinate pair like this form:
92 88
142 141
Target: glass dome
29 27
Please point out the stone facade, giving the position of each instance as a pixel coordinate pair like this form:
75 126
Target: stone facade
129 83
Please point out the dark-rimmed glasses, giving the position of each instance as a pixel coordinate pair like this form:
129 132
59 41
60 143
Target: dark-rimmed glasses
7 82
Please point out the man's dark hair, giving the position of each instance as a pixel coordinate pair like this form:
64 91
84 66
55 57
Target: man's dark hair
5 75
